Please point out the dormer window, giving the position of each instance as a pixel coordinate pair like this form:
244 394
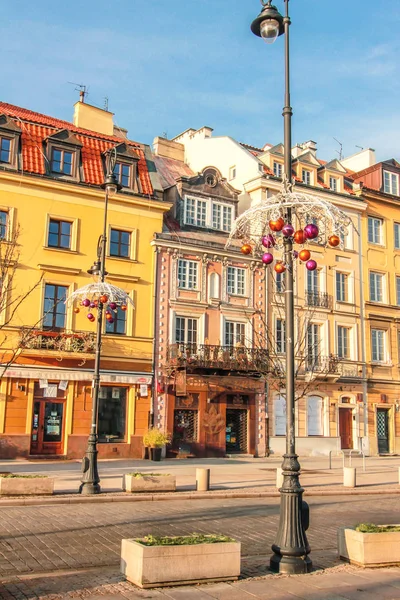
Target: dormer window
62 161
122 172
278 169
390 183
126 168
333 184
9 143
5 149
306 176
63 152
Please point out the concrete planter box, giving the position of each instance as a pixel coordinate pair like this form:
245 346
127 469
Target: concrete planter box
156 566
369 549
26 486
149 483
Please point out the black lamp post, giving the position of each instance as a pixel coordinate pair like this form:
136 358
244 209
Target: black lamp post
291 547
90 476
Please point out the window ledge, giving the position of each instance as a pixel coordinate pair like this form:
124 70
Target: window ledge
123 258
59 269
56 249
238 296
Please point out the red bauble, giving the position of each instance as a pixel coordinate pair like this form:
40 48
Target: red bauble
299 237
304 255
123 307
280 267
334 240
245 249
277 224
103 299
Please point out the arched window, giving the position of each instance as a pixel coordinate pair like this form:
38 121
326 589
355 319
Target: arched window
280 415
315 415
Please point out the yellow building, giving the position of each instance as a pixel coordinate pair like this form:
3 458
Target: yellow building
51 217
381 275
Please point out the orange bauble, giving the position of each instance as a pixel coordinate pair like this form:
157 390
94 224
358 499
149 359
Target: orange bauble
76 310
103 299
246 249
123 307
280 267
277 224
334 240
299 237
304 255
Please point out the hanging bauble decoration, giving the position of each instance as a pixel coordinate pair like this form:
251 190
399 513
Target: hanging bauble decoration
267 258
311 265
276 224
311 231
86 302
76 310
304 254
90 316
92 305
295 254
299 237
123 307
334 240
268 241
288 230
111 321
112 305
96 303
245 249
103 299
280 267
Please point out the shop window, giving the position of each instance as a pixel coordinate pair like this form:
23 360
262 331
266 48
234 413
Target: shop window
112 414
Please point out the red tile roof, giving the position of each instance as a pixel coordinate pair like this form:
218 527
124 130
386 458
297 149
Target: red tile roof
170 169
37 127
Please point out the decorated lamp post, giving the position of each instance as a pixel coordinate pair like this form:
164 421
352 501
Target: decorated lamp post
97 299
277 231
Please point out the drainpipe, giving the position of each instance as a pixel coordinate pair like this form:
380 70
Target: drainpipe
365 441
154 362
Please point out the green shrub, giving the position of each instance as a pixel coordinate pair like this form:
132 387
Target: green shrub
154 438
137 474
183 540
371 528
17 476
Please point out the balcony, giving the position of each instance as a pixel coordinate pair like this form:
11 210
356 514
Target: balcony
227 358
324 366
81 342
318 299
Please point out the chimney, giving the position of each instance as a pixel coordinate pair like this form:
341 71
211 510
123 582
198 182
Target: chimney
93 118
168 149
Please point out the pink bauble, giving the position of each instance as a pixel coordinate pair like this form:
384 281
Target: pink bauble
295 254
112 305
311 265
267 258
110 321
90 316
288 230
268 241
311 231
92 305
86 302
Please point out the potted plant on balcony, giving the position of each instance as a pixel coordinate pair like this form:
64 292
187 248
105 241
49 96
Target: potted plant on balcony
156 440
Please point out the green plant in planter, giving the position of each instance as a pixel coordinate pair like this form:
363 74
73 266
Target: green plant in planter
154 438
137 474
371 528
16 476
183 540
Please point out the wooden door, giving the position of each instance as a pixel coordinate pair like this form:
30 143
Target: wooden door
382 426
48 426
346 428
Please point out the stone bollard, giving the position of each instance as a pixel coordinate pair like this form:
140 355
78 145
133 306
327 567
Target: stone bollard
202 480
349 477
279 477
399 475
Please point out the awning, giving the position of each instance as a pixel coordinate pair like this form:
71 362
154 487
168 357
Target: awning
77 375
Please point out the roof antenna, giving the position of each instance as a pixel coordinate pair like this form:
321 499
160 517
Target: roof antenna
340 152
82 89
361 147
106 103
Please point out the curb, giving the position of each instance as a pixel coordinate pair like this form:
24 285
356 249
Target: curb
39 501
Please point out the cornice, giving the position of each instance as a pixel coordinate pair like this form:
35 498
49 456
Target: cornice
59 269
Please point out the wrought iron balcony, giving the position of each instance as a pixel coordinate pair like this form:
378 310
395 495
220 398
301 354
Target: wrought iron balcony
318 299
230 358
82 342
328 365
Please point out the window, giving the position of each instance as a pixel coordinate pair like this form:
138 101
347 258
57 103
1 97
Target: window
315 413
279 283
333 184
221 217
234 333
397 236
375 227
120 243
278 169
341 286
187 274
3 224
260 168
122 172
378 345
280 334
232 173
306 176
375 287
54 306
61 161
236 281
5 150
59 234
112 414
186 330
118 327
280 415
195 212
390 183
313 282
343 341
398 290
313 346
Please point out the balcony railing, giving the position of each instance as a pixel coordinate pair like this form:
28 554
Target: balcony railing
318 299
82 342
229 358
330 365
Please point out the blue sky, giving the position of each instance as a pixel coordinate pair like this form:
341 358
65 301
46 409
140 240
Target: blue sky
170 65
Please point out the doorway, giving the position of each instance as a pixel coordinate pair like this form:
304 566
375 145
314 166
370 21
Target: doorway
346 428
47 427
236 431
382 429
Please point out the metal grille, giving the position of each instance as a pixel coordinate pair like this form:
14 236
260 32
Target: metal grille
186 426
381 424
236 430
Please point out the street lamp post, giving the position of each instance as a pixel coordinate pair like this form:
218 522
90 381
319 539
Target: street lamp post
90 476
291 547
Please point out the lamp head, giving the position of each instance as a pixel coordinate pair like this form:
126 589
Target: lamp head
269 23
111 184
95 269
